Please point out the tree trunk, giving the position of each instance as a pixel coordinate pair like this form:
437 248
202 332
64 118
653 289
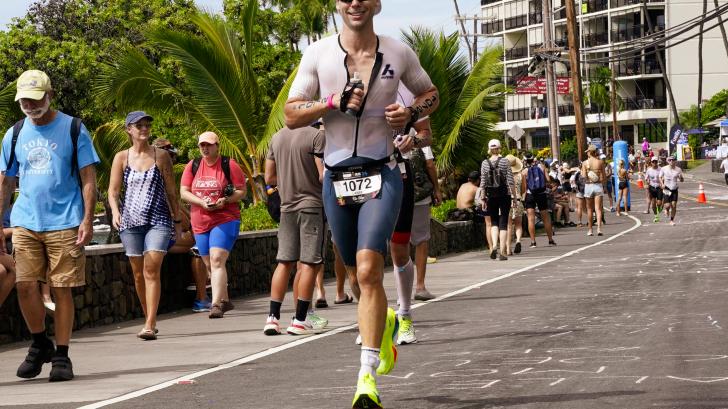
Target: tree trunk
336 28
722 29
462 26
700 68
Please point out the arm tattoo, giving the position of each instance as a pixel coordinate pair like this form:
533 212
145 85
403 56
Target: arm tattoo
309 104
426 104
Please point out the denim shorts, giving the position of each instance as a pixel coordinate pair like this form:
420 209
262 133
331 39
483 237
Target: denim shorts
141 239
222 236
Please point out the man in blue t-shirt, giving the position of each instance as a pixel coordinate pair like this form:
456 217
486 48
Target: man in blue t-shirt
52 217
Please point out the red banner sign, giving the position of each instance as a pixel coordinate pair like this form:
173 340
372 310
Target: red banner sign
535 85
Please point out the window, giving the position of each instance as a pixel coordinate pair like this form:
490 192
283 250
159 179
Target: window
655 132
540 138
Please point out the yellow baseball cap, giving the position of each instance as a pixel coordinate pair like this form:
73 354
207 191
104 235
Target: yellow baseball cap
32 84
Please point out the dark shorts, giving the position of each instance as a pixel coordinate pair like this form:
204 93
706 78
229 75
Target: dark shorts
655 192
566 186
499 210
672 197
540 200
403 228
368 225
623 184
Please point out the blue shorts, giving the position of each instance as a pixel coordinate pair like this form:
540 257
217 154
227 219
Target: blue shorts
222 236
368 225
141 239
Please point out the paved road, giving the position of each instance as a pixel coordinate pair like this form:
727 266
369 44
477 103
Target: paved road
629 322
634 322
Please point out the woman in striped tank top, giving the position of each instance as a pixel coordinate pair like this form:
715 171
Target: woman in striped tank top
145 210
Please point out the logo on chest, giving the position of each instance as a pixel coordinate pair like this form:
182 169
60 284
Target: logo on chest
388 72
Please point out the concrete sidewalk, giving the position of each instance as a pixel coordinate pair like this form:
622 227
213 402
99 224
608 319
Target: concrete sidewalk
110 361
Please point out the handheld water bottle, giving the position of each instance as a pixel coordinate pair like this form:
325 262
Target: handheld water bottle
355 82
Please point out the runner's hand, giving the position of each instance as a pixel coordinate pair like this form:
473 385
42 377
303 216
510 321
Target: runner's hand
406 143
177 231
357 96
85 232
397 116
2 243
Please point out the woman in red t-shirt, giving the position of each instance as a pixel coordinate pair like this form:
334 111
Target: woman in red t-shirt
214 213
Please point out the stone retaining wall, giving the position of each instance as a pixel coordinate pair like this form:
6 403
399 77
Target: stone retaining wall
109 294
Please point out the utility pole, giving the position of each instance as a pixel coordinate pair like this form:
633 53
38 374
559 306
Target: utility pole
551 100
576 78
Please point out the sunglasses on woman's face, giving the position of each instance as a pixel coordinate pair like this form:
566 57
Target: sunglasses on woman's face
351 1
143 125
205 144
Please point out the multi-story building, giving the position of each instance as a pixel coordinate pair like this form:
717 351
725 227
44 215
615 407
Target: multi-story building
607 28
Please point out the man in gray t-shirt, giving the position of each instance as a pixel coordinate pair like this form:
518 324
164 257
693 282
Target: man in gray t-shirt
294 164
669 177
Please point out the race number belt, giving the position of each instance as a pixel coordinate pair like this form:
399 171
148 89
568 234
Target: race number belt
356 187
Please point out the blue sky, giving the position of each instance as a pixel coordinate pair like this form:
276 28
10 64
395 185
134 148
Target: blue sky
396 14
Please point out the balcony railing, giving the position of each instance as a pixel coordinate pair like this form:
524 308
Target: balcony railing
596 39
562 42
492 27
535 17
627 34
645 103
516 53
534 47
621 3
566 110
637 67
516 21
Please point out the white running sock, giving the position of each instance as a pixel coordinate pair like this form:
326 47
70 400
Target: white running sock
369 361
404 277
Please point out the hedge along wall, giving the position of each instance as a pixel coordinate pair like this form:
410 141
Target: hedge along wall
109 295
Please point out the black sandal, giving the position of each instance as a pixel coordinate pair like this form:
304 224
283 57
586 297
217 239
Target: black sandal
321 303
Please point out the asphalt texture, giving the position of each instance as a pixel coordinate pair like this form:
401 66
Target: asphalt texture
631 319
635 322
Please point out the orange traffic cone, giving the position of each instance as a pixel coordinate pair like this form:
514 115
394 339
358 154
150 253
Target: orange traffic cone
640 183
701 194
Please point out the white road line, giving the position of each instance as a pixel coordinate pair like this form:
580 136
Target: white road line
280 348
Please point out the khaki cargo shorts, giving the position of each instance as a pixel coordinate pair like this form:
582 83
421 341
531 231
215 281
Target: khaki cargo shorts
50 256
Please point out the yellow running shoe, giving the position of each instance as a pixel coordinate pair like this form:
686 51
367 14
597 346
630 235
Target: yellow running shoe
388 349
366 396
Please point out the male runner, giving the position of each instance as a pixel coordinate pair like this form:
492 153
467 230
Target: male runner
653 175
362 183
671 174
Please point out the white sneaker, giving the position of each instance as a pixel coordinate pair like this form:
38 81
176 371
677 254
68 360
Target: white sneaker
301 328
358 339
318 323
406 333
271 326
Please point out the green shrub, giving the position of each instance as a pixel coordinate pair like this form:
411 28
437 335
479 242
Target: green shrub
256 217
440 212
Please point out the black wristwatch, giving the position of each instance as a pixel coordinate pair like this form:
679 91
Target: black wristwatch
414 116
177 221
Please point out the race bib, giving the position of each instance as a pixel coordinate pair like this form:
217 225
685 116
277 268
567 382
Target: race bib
356 187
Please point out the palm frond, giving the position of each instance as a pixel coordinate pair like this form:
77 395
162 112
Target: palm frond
9 110
108 139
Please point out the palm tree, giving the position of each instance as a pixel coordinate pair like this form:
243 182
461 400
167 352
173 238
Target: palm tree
599 93
469 99
219 91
